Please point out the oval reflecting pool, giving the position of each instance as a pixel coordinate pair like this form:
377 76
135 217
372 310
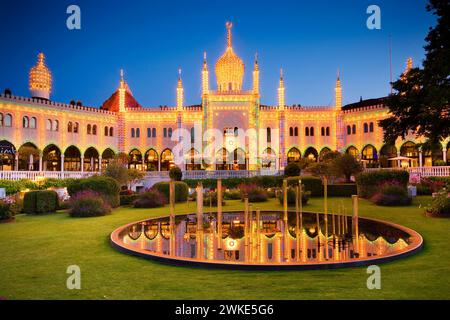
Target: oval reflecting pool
267 240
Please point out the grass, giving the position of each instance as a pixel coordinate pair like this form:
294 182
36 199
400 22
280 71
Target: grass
35 252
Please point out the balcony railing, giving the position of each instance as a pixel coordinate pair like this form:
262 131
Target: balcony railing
36 175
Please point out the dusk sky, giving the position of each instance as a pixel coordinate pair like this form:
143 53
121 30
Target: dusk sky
150 40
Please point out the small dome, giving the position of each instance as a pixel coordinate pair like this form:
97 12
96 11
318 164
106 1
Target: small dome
229 68
40 79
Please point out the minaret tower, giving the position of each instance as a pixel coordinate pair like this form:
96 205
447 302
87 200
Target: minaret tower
205 76
281 101
180 92
256 76
338 93
40 80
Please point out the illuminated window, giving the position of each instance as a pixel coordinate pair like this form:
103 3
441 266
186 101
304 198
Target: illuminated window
111 132
48 126
94 129
33 122
69 126
26 122
89 129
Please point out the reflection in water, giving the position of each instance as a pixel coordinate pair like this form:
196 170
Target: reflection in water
266 237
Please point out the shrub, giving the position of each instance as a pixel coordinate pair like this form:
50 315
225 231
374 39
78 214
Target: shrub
392 195
440 205
8 209
88 203
253 192
181 190
439 163
342 190
291 197
368 183
39 202
107 187
128 199
233 194
57 183
292 170
15 186
433 184
312 184
175 174
150 199
209 198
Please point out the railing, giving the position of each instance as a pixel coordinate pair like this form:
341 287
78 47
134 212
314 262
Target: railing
420 172
36 175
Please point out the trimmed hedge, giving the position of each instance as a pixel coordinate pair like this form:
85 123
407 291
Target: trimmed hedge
291 197
150 199
311 184
128 199
181 190
15 186
368 183
106 186
39 202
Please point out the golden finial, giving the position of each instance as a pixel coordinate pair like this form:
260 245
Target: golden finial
204 56
338 74
121 74
229 25
281 73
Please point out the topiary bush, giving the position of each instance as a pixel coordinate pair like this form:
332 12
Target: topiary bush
368 183
292 170
41 201
312 184
392 195
88 203
8 210
107 187
233 194
128 199
253 192
175 174
150 199
181 190
291 197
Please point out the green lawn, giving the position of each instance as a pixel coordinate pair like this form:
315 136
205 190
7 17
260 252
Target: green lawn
36 250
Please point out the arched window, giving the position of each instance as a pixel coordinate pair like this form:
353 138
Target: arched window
26 122
33 122
138 132
55 125
170 132
111 132
307 131
327 131
132 133
192 135
371 127
94 129
69 126
88 129
291 131
349 130
8 120
165 132
354 129
269 135
296 131
75 127
49 125
311 131
106 131
1 120
366 127
322 131
236 131
149 132
154 132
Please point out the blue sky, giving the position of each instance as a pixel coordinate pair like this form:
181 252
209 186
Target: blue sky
150 40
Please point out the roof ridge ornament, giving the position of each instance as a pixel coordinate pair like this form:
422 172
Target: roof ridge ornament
229 25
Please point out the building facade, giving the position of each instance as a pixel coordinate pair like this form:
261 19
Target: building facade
229 130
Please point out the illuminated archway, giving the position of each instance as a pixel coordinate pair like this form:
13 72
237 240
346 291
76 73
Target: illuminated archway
51 157
239 159
135 159
222 159
193 160
107 156
387 152
432 154
323 152
293 155
311 154
352 151
166 160
151 160
28 157
369 154
91 159
410 150
269 158
7 155
72 159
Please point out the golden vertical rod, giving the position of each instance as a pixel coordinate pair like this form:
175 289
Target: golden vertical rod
355 231
246 242
325 209
199 238
258 235
285 221
318 237
219 214
297 223
172 218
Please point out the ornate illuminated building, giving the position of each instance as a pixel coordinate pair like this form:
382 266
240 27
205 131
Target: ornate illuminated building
37 134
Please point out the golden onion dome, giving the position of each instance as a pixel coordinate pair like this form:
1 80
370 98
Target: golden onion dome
229 68
40 79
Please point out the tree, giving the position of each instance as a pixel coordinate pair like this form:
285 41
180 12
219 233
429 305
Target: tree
116 171
175 174
345 165
292 170
420 103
